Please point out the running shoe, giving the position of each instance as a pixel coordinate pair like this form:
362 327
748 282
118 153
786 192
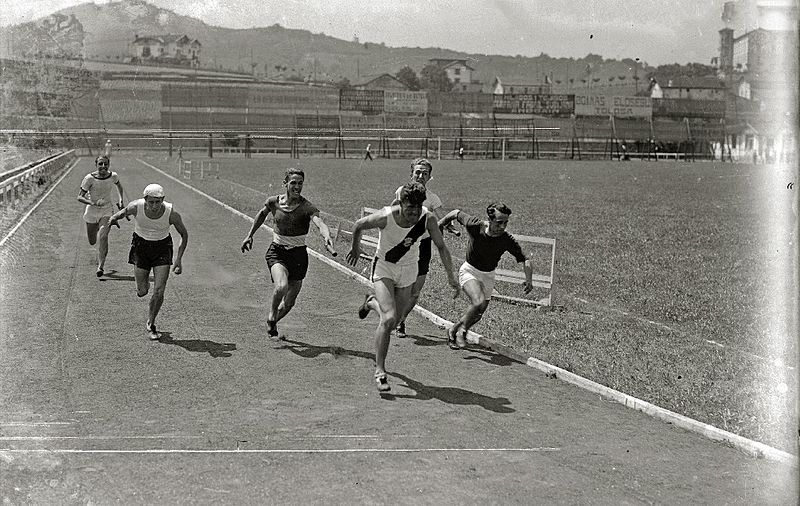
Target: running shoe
99 272
451 339
272 328
363 311
401 329
151 330
461 339
382 381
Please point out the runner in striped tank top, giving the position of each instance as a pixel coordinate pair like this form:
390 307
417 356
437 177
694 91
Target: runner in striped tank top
394 268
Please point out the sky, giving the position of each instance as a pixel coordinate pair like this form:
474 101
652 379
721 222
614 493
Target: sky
657 32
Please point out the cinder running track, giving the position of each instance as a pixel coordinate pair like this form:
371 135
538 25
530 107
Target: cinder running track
91 411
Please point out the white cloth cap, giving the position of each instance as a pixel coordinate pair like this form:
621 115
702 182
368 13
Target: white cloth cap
153 190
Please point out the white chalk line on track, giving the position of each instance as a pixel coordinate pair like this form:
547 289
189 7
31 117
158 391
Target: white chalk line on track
35 206
291 450
748 446
90 438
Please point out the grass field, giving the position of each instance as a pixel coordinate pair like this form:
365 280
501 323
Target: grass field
677 278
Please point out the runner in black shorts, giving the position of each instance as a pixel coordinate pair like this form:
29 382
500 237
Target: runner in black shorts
286 256
151 246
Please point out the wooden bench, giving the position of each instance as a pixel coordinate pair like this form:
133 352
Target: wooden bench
545 281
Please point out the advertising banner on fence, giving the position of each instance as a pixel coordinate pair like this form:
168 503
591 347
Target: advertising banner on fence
293 99
617 106
405 101
366 101
543 105
688 108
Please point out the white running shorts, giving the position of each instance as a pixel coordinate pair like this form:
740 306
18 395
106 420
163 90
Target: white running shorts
467 272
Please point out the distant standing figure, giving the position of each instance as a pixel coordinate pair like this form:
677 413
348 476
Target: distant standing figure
97 192
367 153
107 149
151 246
180 152
461 153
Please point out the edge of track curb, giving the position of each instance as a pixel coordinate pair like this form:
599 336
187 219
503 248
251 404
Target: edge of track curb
748 446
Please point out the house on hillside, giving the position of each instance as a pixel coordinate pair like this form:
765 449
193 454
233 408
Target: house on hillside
167 48
695 88
502 88
382 82
460 74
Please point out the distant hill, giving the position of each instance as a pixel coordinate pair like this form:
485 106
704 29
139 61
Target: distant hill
104 32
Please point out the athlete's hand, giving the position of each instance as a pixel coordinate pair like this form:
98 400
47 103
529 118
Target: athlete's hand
453 230
455 286
353 255
247 244
178 268
114 223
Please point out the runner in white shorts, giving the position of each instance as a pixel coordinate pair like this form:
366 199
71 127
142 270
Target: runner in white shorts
488 240
97 191
421 170
394 268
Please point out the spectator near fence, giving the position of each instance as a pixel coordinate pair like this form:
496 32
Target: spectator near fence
367 153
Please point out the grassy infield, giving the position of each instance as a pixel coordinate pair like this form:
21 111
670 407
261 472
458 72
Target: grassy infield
654 260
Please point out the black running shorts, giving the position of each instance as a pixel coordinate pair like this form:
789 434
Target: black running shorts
294 259
148 254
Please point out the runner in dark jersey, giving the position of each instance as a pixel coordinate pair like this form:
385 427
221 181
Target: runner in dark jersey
286 256
488 240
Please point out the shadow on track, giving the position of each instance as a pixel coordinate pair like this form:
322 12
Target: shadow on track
306 350
111 275
450 395
216 350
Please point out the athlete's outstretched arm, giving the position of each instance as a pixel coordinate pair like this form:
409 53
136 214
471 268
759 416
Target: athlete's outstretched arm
257 222
176 221
325 232
375 220
447 261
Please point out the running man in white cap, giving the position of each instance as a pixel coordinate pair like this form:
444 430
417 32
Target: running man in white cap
151 247
97 192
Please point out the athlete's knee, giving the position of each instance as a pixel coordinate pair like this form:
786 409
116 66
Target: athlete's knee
158 291
281 288
288 303
389 319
